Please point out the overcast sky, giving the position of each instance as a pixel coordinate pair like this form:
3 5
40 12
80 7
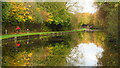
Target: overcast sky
83 6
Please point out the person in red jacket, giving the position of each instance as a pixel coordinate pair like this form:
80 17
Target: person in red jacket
18 29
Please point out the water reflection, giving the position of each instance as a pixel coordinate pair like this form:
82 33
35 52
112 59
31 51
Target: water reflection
93 50
18 44
85 55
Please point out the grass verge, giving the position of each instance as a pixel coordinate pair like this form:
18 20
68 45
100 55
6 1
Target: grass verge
38 33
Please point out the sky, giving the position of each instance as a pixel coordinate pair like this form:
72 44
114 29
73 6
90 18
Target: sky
81 6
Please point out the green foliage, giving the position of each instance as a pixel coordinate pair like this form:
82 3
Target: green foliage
5 13
44 13
81 18
59 49
107 17
58 14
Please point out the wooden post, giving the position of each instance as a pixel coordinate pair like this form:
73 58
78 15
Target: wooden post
27 30
57 34
6 32
28 40
60 33
15 39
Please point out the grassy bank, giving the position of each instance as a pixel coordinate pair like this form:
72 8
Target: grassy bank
39 33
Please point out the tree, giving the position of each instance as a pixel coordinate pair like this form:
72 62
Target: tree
56 14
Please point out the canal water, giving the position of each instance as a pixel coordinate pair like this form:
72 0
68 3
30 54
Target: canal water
71 49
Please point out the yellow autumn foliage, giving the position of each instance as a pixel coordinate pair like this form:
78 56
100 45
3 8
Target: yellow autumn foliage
49 47
38 9
48 20
30 17
29 6
24 20
30 54
50 16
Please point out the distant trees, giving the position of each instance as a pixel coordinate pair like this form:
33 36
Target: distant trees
107 17
81 18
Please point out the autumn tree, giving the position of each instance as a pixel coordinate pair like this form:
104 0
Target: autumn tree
107 17
55 14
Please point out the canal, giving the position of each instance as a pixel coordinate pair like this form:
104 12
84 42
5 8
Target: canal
70 49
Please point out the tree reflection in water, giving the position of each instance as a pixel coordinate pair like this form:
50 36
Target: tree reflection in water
85 55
